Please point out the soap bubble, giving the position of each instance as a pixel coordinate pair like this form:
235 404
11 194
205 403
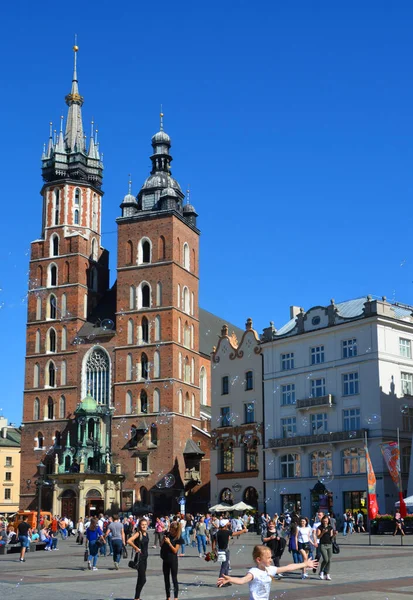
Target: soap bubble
373 419
91 336
305 421
164 417
169 480
289 507
326 477
404 409
107 324
352 434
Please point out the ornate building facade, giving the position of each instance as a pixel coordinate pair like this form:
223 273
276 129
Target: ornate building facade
116 399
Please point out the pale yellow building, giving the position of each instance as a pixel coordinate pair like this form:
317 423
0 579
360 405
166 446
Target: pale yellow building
10 451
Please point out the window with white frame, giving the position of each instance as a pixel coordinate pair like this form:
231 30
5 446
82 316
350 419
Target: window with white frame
407 384
319 423
288 427
318 387
290 466
287 361
7 493
405 348
97 376
351 419
288 394
317 355
320 463
349 348
354 461
350 384
9 461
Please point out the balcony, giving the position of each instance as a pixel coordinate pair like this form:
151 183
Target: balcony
326 401
321 438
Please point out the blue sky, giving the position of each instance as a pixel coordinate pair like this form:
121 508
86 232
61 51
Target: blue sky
292 122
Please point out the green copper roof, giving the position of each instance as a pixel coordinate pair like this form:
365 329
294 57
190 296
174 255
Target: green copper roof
88 404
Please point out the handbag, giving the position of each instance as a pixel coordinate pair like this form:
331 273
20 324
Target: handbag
85 555
134 564
124 551
336 547
222 556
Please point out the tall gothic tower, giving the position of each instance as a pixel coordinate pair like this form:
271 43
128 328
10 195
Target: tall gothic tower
68 275
157 353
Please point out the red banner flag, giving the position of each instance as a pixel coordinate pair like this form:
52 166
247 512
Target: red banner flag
391 455
372 505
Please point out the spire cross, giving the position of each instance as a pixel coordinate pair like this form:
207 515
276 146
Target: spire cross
161 118
75 50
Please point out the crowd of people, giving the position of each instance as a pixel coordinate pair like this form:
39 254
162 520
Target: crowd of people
310 545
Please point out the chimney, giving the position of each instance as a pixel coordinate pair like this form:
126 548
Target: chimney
294 310
4 432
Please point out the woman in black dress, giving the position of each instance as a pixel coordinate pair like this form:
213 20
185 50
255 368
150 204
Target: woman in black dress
169 554
140 541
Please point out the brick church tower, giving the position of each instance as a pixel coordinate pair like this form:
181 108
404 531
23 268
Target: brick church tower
112 402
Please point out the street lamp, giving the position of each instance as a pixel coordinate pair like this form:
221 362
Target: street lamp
41 469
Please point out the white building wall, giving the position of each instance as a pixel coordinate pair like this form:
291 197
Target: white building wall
379 366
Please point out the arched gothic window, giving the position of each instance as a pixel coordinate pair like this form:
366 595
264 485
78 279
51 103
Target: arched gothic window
203 385
145 330
38 308
51 374
51 342
50 408
159 294
63 372
156 365
132 297
156 400
192 337
36 409
52 307
78 197
186 301
94 249
144 366
187 407
179 366
40 440
157 328
186 257
130 332
179 330
128 403
180 401
187 370
192 374
226 496
95 213
63 303
143 402
36 375
37 342
55 245
64 338
146 252
193 405
98 376
146 296
56 207
62 407
129 368
52 275
76 217
178 298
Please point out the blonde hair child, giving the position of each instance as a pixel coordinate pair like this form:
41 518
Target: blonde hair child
259 577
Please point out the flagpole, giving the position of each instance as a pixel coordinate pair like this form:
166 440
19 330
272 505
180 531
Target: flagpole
400 480
368 504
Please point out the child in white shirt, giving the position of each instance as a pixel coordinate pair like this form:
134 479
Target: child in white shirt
259 577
